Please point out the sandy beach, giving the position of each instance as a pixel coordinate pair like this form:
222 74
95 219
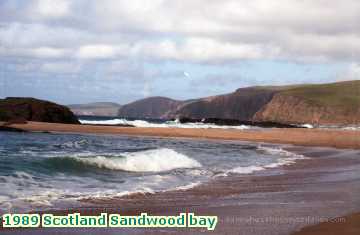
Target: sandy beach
303 137
350 226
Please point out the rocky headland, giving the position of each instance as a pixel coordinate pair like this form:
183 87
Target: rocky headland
20 110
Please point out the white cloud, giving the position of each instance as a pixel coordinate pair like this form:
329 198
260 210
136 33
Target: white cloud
38 52
188 30
49 8
100 51
47 52
202 50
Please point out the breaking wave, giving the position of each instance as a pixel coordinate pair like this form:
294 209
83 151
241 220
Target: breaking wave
155 160
174 124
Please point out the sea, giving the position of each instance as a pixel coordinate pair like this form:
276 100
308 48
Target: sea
46 171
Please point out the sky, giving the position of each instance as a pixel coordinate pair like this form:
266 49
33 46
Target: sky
115 50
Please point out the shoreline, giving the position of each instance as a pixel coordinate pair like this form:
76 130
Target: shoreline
290 199
279 200
346 139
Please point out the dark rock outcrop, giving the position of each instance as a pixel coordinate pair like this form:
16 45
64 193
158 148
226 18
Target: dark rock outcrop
30 109
11 129
235 122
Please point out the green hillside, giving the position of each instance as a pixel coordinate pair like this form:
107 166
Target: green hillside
344 94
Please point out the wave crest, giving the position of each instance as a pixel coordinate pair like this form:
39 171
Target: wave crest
155 160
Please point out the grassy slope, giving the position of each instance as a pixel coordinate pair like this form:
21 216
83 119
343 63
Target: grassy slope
344 94
341 94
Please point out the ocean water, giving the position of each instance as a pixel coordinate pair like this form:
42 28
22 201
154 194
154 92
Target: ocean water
40 171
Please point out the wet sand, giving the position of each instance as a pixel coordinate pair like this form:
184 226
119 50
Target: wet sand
275 201
303 137
349 225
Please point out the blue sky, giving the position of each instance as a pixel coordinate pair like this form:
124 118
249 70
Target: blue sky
113 50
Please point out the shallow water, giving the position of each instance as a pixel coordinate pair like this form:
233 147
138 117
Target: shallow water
52 171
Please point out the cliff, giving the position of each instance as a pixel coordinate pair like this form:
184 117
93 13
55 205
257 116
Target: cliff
326 104
30 109
335 103
241 104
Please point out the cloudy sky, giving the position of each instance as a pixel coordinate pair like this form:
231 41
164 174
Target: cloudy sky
115 50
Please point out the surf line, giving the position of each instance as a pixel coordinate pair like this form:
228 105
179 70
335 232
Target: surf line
76 220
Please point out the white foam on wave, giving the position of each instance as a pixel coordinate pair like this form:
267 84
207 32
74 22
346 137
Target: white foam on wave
286 158
187 186
331 127
74 144
37 196
246 169
173 124
279 151
309 126
156 160
21 190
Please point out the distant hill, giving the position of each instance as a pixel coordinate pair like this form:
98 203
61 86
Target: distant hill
96 109
153 107
335 103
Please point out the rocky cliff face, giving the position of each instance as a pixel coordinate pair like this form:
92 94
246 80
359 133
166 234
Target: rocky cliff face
241 105
153 107
31 109
291 109
335 103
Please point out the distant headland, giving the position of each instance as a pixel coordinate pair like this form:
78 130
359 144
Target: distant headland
321 104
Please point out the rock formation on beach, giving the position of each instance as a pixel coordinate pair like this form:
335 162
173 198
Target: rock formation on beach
14 109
